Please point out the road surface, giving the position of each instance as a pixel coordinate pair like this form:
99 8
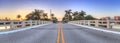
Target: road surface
70 33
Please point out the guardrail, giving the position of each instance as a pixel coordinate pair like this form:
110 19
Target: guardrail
98 23
20 24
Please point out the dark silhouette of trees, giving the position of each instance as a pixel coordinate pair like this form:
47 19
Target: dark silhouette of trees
76 16
82 14
68 14
45 16
19 16
55 20
67 17
79 15
89 17
37 15
52 16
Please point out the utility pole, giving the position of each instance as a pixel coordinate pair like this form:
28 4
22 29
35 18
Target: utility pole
50 14
50 11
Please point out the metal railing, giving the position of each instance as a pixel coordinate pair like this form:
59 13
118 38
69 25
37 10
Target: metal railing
98 23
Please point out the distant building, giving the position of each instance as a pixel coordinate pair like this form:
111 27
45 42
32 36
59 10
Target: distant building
116 17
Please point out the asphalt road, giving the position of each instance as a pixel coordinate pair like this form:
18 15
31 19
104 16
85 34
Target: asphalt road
77 34
43 34
49 33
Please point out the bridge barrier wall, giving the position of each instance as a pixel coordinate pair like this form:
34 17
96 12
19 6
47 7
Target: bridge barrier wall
98 23
13 24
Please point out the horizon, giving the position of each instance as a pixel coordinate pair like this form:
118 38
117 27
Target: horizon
96 8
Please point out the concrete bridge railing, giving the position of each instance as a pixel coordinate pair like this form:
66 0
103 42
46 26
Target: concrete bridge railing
20 24
98 23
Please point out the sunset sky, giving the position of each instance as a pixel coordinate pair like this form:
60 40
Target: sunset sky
97 8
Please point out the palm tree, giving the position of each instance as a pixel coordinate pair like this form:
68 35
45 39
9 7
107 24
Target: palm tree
82 13
19 16
68 12
75 14
45 17
52 16
35 15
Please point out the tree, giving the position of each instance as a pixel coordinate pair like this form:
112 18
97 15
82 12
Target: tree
82 14
68 14
35 15
52 16
29 16
45 17
6 18
67 17
55 20
19 16
75 14
89 17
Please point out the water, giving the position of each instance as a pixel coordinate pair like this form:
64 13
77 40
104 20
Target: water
4 27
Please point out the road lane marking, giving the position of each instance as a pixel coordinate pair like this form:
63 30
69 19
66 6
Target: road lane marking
60 35
63 38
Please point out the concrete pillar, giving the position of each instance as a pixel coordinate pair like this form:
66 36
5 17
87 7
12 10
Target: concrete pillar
84 22
11 25
23 24
39 22
42 22
108 24
88 23
96 23
30 22
4 23
36 22
78 22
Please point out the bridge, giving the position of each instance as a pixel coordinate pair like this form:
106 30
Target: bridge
83 31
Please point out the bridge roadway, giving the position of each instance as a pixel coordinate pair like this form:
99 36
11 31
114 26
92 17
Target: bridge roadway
49 34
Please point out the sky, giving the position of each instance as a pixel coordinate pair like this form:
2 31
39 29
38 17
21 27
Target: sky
97 8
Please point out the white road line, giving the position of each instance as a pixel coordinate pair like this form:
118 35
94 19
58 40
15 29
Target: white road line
22 29
109 31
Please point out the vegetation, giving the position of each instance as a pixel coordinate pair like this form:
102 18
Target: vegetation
54 19
37 15
76 16
18 16
79 15
40 15
67 17
89 17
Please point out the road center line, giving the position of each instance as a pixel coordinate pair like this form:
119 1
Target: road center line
63 38
60 35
